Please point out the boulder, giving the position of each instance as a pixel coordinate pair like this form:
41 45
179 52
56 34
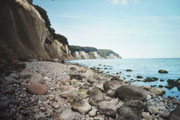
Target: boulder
108 107
112 85
135 104
163 71
126 113
128 70
93 112
81 106
150 79
70 94
130 92
175 115
139 77
157 91
146 116
95 96
37 88
76 76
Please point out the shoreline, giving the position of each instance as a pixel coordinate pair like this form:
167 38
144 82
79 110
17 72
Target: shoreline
71 91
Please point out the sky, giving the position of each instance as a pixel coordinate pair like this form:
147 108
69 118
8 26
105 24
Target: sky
132 28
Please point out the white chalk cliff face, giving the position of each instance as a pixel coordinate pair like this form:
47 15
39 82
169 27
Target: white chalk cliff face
92 55
24 31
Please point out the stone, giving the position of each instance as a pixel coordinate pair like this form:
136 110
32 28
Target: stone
25 74
91 80
10 81
81 106
70 94
174 115
112 85
95 96
130 92
51 97
65 114
153 109
128 70
126 113
8 90
43 109
157 91
150 79
65 79
139 76
108 107
135 104
37 78
83 93
163 71
15 76
93 112
37 88
4 104
76 76
146 116
55 105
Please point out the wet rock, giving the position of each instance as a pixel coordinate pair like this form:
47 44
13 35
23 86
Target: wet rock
146 116
8 90
10 81
150 79
174 115
128 70
81 106
108 107
163 71
139 77
126 113
130 92
93 112
95 96
37 88
135 104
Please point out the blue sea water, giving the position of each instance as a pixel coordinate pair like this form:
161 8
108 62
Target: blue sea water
143 67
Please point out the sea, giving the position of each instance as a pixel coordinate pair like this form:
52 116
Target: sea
143 67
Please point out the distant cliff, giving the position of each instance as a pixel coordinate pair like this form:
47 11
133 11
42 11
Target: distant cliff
92 53
25 32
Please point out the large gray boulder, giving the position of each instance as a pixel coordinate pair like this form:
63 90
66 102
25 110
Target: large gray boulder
130 92
175 115
126 113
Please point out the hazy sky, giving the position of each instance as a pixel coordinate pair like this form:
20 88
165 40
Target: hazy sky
132 28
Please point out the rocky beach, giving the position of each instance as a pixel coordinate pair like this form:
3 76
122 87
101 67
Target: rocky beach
46 90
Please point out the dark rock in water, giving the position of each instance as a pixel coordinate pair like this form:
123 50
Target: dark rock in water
135 104
162 71
96 96
178 81
126 113
169 87
162 80
128 70
161 86
150 79
171 82
37 88
130 92
115 77
153 85
139 76
175 115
